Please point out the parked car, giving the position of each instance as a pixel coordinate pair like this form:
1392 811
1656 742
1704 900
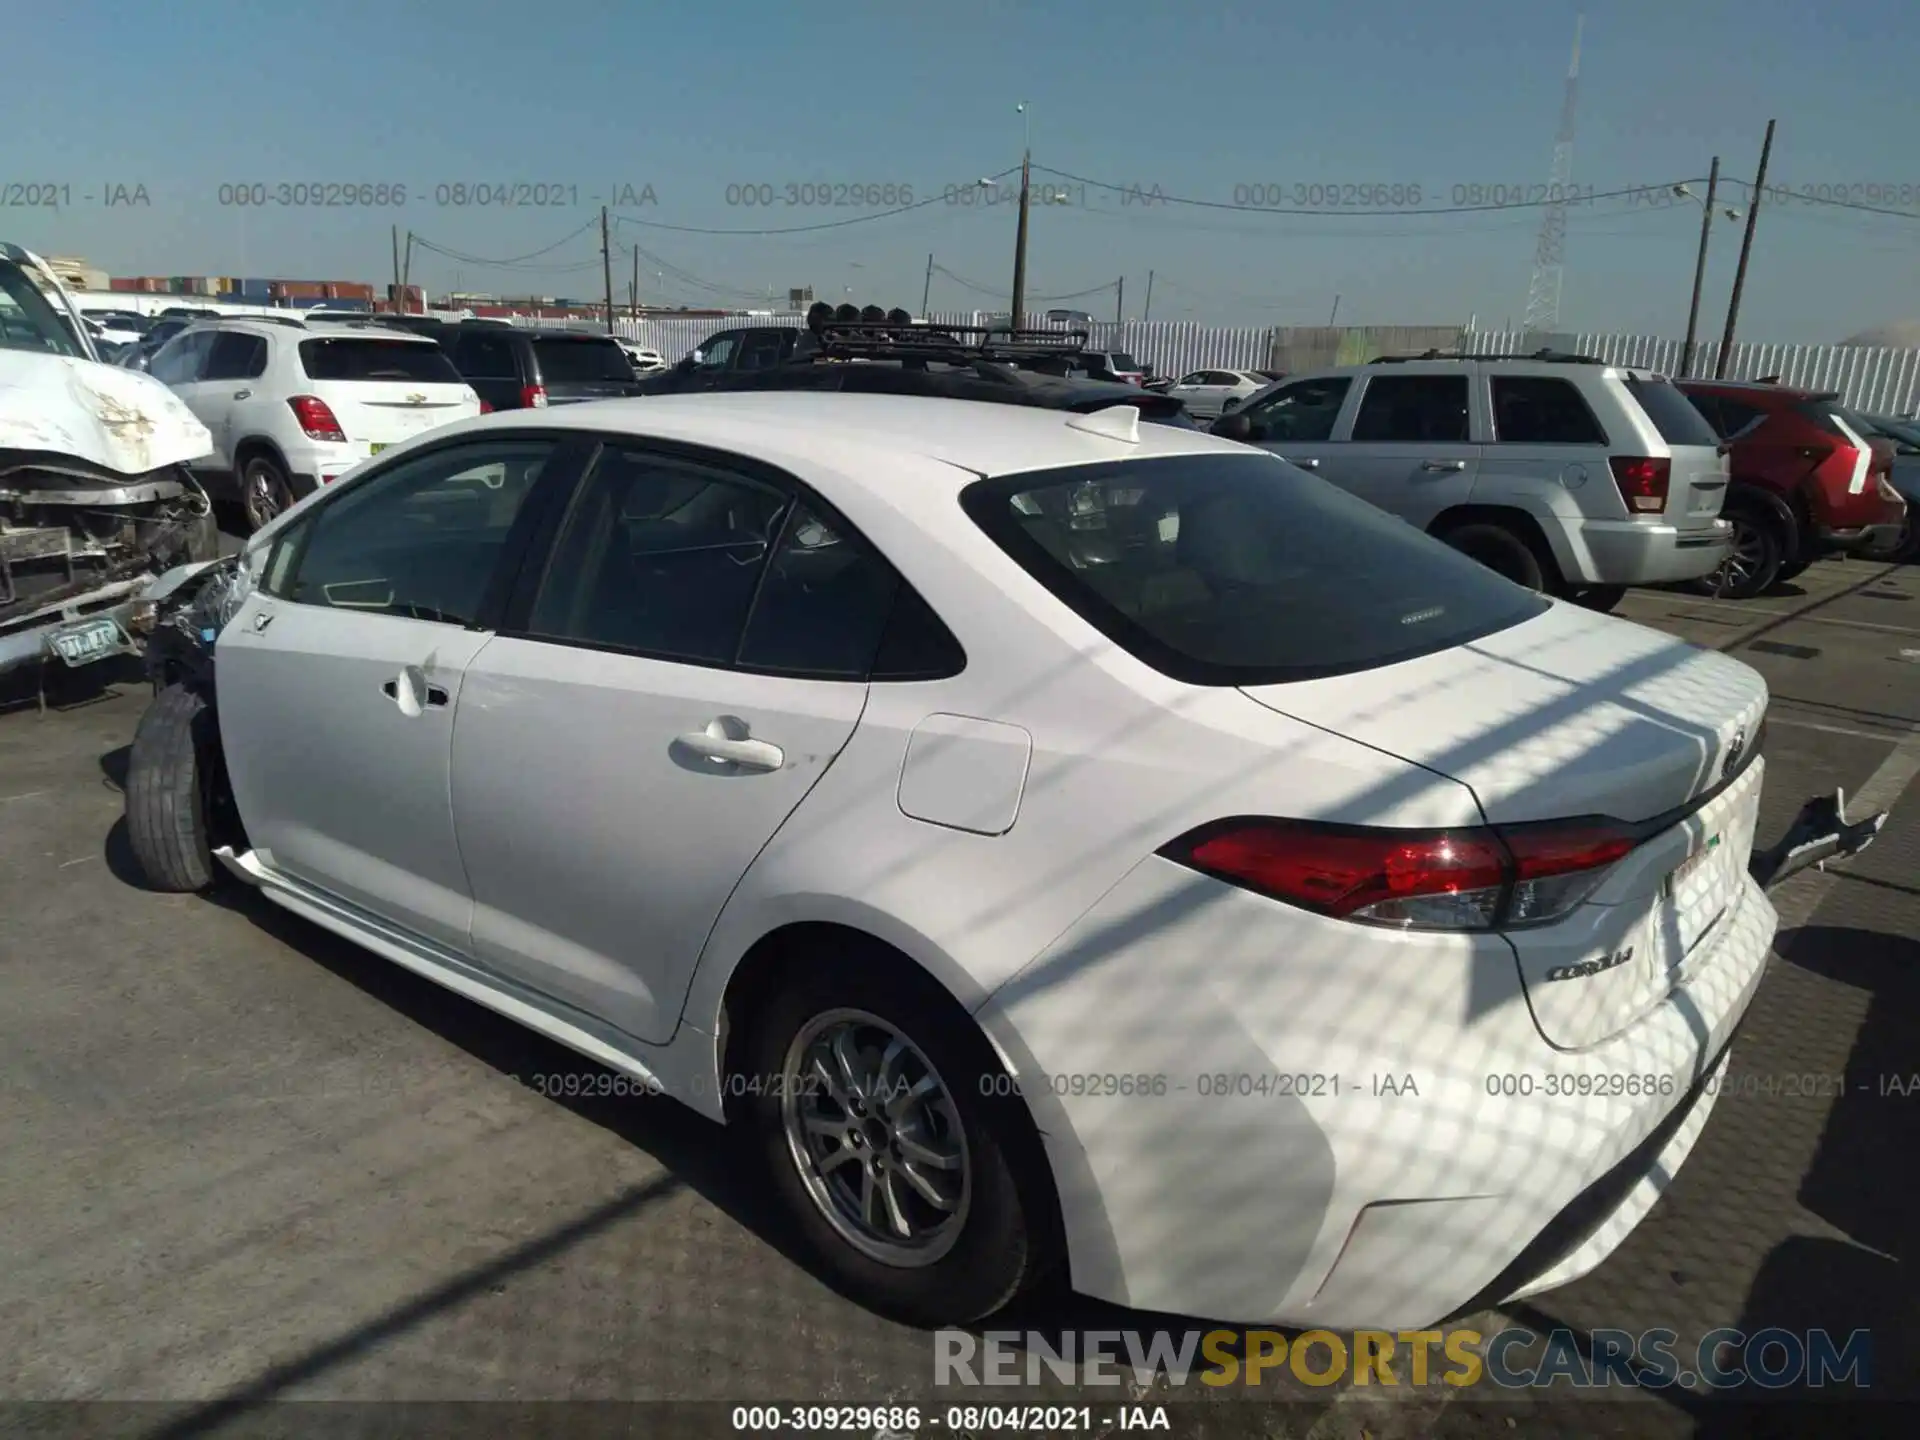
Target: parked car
1115 365
1562 473
95 499
1210 393
1806 482
517 369
644 359
723 353
150 344
1069 317
293 408
845 764
1905 477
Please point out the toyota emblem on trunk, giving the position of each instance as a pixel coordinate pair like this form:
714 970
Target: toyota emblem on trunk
1734 752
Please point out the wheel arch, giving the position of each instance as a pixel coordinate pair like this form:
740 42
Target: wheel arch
1790 516
1558 559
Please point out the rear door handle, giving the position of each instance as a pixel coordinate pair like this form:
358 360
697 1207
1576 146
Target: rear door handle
720 742
1443 466
412 692
1308 464
243 394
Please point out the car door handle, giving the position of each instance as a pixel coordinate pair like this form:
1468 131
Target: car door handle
1443 466
747 753
412 692
1307 464
243 394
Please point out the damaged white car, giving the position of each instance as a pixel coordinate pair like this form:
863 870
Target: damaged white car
95 497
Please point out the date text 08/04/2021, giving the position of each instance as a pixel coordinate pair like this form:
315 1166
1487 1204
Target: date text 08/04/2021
901 1422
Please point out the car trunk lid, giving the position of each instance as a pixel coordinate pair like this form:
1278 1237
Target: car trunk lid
1575 714
383 389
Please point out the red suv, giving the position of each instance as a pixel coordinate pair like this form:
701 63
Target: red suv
1807 481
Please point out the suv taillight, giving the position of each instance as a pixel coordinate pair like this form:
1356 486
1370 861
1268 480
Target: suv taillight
316 418
1481 878
533 397
1642 481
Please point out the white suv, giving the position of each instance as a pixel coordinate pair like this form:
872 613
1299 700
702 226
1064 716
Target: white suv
294 407
1562 473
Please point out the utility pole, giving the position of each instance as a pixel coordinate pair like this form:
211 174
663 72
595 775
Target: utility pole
1335 312
1120 301
926 290
633 286
1746 249
1146 312
606 266
406 276
1018 317
397 292
1699 271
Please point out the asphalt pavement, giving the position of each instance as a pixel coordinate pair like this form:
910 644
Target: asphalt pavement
243 1163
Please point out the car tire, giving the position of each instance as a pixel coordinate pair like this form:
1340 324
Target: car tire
1759 551
265 491
992 1242
1790 569
1601 598
1500 550
175 791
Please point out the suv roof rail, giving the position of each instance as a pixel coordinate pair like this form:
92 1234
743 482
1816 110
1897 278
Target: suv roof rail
850 332
1554 357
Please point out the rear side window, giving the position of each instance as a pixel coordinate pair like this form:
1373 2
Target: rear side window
1728 417
1540 410
1677 419
1413 408
365 358
487 357
764 351
1224 569
572 362
823 603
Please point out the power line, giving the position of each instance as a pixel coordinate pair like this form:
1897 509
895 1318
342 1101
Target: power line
427 244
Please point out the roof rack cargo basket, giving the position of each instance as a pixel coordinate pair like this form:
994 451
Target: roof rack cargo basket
850 332
1555 357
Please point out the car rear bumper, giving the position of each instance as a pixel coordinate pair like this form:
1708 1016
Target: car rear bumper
1638 552
1261 1115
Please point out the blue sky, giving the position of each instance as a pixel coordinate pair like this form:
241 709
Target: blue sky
1192 101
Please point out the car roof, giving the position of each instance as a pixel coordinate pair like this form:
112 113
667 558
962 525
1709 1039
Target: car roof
976 437
1790 393
326 330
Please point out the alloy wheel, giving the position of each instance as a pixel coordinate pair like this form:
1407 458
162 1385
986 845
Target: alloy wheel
262 498
1743 562
874 1134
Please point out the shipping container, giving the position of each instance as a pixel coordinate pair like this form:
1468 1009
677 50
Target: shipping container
254 287
118 283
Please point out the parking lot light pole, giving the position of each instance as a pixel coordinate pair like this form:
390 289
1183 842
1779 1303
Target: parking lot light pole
606 266
1746 249
1699 270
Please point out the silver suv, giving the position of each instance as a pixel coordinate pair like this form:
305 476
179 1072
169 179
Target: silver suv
1565 474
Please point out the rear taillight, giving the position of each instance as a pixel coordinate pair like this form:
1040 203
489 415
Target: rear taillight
485 408
1466 879
316 418
533 397
1642 481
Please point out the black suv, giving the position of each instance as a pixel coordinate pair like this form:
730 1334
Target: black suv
724 355
515 369
878 352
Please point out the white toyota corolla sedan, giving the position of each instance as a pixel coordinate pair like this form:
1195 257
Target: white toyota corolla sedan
1059 841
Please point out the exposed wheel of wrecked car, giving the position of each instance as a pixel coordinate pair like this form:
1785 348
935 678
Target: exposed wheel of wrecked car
911 1173
1500 550
178 803
264 491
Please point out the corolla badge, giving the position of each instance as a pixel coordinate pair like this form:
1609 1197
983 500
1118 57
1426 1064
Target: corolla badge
1585 968
1734 752
416 399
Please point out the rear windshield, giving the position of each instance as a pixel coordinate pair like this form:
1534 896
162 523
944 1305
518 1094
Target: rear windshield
1228 569
1673 415
566 362
371 358
1123 361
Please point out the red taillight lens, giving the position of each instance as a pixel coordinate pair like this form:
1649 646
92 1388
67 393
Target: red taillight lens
316 418
1642 481
1465 879
485 408
533 397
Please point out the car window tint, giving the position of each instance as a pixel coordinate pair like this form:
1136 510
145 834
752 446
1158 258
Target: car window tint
762 352
1304 411
1413 408
1673 415
1735 416
412 362
661 557
1540 410
486 357
421 538
917 644
236 356
715 353
823 604
582 361
181 359
1235 569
